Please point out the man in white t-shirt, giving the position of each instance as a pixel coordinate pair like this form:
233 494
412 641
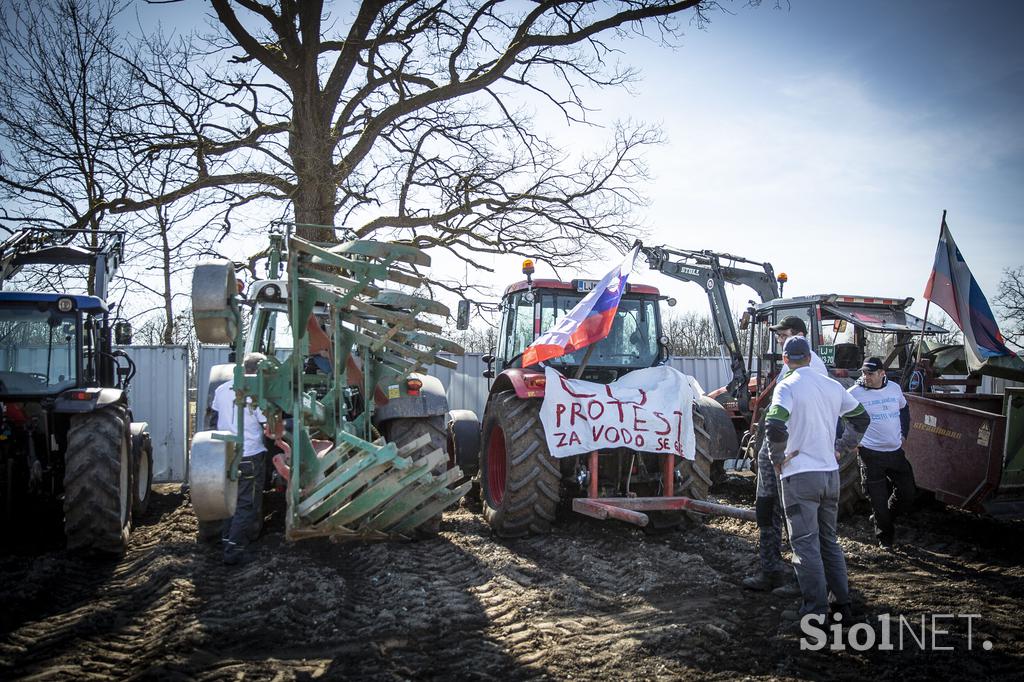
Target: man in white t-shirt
886 473
775 575
801 433
245 526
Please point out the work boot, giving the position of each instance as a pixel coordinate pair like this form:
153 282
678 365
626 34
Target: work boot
762 582
790 588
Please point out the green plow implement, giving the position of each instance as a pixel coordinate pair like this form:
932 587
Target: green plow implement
344 479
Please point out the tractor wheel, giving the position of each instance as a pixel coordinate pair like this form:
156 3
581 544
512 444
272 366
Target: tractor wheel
98 482
851 492
405 430
720 441
519 480
142 475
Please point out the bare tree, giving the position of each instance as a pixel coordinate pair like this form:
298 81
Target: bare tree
1010 302
692 334
166 244
411 120
62 97
476 339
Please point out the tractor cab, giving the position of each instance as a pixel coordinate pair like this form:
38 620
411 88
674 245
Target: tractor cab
844 331
40 353
531 308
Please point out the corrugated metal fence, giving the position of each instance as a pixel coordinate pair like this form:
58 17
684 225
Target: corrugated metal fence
158 395
466 386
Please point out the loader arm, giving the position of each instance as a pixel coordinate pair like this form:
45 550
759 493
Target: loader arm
706 269
44 246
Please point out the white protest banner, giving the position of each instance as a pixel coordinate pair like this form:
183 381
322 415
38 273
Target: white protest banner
650 410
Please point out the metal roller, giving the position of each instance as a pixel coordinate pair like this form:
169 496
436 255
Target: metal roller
213 493
213 285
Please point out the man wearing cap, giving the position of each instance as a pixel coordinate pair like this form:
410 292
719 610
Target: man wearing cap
244 527
884 469
801 434
775 574
789 327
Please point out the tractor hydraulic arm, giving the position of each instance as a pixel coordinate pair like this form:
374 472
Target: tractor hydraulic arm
712 271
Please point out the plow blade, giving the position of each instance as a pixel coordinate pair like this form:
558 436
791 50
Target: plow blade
378 493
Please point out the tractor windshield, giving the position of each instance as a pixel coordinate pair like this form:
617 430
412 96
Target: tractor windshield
632 341
38 351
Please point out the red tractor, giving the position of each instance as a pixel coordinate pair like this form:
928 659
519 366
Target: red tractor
522 484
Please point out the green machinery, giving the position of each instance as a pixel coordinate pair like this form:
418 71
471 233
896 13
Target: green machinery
344 480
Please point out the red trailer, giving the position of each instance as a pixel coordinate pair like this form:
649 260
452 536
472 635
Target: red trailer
968 449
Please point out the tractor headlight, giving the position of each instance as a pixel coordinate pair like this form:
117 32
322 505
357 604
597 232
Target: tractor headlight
65 305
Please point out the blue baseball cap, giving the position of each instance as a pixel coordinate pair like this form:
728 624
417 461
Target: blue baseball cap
796 348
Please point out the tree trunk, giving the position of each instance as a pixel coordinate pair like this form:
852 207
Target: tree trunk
310 146
168 293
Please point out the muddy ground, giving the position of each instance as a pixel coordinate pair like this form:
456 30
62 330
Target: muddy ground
593 600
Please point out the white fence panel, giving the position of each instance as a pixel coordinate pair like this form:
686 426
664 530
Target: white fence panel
158 395
467 388
710 373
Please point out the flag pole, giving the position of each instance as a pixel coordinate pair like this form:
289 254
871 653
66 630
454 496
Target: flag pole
924 322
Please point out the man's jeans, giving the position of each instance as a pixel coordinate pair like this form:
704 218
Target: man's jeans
811 500
768 510
245 526
881 473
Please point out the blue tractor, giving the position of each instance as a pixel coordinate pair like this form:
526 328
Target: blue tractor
69 450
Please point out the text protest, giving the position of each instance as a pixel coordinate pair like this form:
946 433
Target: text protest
650 410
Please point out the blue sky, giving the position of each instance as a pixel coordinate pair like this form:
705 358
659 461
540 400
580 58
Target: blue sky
827 138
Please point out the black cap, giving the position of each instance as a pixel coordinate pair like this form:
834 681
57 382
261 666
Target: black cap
796 348
872 365
792 323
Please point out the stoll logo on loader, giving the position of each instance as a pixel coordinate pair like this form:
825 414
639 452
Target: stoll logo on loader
927 632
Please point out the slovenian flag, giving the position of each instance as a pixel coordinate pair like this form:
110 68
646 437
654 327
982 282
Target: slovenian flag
587 323
953 288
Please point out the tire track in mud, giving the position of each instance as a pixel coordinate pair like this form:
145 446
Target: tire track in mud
592 599
100 618
608 593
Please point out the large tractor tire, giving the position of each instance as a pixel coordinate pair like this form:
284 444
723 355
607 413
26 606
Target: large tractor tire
720 439
519 479
851 492
405 430
98 482
142 474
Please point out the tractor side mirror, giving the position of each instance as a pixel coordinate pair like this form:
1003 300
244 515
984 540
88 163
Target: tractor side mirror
123 333
745 320
489 361
839 326
462 321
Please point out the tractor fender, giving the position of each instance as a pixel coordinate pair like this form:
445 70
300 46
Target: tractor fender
219 374
98 399
431 402
526 383
464 441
